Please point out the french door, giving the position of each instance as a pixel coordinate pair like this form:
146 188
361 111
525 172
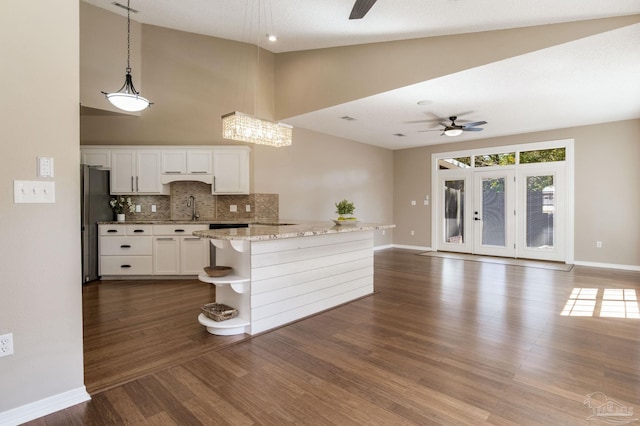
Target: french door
505 211
494 213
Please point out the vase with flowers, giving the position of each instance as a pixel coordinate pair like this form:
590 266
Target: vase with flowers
120 205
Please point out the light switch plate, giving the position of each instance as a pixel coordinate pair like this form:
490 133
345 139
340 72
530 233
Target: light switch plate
45 167
34 191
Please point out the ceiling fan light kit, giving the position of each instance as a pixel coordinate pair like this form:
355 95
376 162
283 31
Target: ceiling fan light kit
128 98
453 131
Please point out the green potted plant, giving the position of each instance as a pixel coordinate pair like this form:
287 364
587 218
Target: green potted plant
345 211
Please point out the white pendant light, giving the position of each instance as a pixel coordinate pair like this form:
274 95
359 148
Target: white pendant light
453 131
128 98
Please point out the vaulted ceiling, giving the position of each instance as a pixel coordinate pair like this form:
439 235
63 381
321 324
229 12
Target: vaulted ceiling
584 81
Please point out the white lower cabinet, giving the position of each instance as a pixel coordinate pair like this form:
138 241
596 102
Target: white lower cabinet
125 250
166 249
194 255
166 256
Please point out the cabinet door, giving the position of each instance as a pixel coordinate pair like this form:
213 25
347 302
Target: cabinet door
100 158
166 256
123 165
230 170
194 254
148 172
174 162
199 161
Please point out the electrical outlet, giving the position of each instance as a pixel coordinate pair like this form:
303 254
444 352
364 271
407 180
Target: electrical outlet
6 344
598 244
247 207
153 208
413 232
233 208
138 208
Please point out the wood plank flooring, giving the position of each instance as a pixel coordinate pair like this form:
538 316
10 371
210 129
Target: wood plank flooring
442 342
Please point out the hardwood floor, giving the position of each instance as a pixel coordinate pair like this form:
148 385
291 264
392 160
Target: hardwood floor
442 342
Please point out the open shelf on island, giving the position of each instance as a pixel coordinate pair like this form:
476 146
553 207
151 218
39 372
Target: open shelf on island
228 327
238 283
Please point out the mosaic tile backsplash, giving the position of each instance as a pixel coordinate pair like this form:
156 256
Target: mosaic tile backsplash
263 207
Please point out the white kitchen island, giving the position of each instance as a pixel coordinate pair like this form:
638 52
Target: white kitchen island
283 273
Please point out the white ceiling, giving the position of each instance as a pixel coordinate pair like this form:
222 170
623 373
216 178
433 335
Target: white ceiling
588 81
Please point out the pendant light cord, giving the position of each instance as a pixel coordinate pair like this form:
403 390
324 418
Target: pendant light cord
128 37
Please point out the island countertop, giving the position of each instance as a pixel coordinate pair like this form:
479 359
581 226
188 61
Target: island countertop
262 232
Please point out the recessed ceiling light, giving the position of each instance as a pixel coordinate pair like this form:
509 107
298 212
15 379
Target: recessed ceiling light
425 102
347 118
399 134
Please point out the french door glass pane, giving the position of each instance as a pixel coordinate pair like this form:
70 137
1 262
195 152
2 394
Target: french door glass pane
454 211
540 212
493 212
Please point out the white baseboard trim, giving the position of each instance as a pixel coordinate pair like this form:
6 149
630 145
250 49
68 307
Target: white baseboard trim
35 410
402 246
386 246
607 265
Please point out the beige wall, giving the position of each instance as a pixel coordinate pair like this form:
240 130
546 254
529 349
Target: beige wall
607 198
354 72
319 170
40 291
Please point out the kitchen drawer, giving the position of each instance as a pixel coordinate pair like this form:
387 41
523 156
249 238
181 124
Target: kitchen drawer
139 229
126 265
125 246
178 229
113 229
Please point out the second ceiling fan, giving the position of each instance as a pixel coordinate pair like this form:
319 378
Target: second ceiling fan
453 129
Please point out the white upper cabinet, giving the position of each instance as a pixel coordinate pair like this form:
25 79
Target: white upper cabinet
187 164
150 169
230 170
135 172
96 157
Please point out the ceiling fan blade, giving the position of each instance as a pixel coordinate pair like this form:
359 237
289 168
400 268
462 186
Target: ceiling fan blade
444 124
360 8
477 123
472 129
432 130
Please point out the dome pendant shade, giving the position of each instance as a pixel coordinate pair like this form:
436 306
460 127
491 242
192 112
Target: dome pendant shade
128 98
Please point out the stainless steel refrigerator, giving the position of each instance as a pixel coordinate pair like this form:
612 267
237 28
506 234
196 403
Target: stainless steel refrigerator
95 208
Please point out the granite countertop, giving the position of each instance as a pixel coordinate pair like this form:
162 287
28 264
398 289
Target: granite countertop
262 232
190 222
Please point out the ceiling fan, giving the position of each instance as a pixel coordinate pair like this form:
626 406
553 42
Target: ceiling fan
453 129
360 8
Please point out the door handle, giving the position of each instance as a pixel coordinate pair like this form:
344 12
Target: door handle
476 218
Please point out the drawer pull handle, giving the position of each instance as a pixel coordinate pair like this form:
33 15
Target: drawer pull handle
201 172
191 239
125 246
125 266
172 172
165 239
112 231
179 230
138 230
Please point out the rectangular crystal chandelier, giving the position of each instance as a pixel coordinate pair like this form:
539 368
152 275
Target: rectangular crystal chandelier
245 128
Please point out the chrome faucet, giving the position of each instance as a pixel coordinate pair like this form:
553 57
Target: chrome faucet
192 203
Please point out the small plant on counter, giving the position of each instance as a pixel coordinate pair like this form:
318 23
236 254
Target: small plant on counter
121 205
344 209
